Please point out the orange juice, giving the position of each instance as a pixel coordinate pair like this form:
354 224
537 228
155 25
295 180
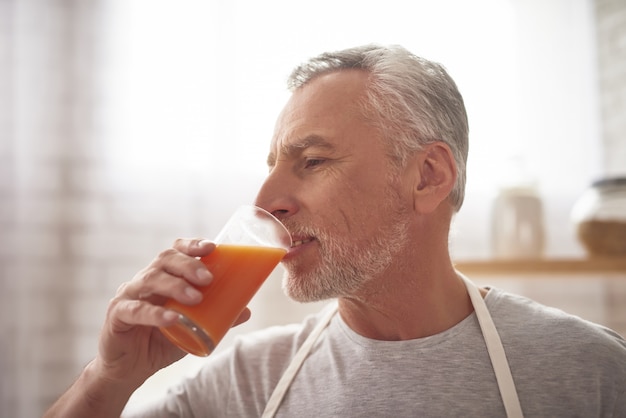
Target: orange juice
238 273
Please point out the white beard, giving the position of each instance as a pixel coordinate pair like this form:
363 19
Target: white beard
347 264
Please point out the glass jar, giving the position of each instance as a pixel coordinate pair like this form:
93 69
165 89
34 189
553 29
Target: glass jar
517 229
599 216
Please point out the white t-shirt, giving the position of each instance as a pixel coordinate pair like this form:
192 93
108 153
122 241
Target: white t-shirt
562 366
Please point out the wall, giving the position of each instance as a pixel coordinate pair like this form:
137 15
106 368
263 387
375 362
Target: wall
611 33
69 236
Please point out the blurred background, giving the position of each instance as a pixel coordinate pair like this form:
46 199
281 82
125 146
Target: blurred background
125 124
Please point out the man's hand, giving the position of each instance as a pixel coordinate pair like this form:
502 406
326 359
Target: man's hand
131 347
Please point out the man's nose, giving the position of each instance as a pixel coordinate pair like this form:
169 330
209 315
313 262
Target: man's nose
276 195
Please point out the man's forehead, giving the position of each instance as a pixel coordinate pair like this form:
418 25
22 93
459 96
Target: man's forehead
310 116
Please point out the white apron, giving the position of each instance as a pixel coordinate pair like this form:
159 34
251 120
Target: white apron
490 334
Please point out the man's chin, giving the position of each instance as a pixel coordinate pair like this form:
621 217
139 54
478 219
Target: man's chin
299 289
301 296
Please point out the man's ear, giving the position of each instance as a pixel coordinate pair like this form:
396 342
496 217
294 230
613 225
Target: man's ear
435 176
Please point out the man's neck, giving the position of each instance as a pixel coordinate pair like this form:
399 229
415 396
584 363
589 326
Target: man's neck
408 307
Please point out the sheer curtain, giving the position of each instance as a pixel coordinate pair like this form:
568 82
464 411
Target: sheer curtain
128 123
50 67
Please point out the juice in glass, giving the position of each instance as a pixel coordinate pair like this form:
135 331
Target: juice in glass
248 248
238 273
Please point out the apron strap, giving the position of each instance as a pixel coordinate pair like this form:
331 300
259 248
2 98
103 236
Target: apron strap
496 352
283 384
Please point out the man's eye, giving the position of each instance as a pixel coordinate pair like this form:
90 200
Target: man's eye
312 162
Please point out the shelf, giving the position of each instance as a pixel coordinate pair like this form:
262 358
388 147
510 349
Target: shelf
542 267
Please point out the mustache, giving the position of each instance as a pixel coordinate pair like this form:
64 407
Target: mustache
296 229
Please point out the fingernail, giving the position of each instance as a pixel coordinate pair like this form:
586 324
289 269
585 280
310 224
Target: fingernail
203 243
204 275
170 315
193 293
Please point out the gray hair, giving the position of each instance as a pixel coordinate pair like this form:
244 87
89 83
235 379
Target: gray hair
410 100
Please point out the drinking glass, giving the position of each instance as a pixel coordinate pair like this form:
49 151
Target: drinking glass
248 248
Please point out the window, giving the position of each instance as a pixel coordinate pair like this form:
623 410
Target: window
195 87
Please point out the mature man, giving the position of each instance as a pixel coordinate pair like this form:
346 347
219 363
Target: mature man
367 168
